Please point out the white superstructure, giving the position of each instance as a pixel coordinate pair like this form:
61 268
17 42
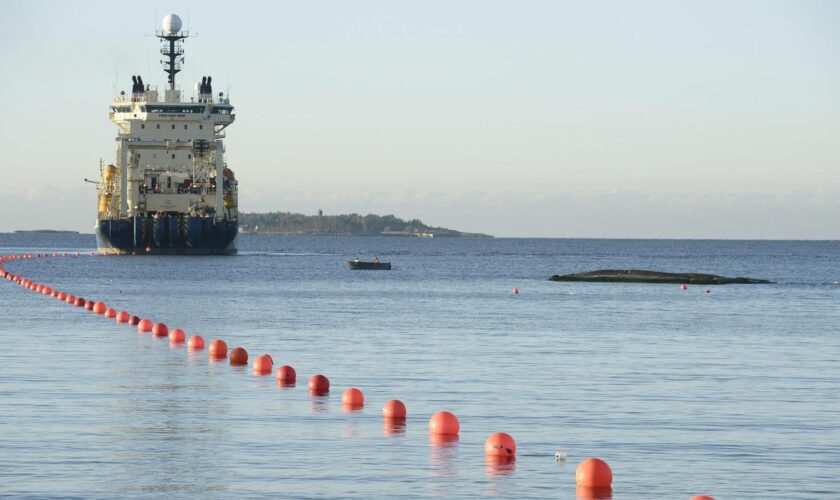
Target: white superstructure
170 155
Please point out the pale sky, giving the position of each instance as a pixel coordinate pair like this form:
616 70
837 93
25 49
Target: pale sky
520 118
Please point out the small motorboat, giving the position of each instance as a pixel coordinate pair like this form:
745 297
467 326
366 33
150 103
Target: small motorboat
359 265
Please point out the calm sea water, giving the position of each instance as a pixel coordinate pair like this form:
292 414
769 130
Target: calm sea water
733 393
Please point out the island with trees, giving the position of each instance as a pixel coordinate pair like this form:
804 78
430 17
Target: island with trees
286 223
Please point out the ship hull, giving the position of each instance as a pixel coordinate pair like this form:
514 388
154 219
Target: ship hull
167 235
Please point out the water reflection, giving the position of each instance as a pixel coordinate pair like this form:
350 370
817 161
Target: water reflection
319 404
498 470
586 493
444 453
350 430
195 357
352 408
393 426
283 384
500 466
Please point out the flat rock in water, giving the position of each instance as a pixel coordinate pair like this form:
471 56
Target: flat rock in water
638 276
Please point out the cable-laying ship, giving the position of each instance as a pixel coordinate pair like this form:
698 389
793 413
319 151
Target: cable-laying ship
170 191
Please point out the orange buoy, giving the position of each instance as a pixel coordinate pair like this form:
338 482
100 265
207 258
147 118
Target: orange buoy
123 317
79 302
144 326
394 409
196 343
160 330
683 287
148 249
500 444
238 356
39 288
218 349
353 397
110 313
444 422
702 497
71 299
286 374
54 293
99 308
134 320
47 290
319 385
177 336
594 473
516 291
263 365
89 305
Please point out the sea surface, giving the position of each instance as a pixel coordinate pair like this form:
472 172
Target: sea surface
734 392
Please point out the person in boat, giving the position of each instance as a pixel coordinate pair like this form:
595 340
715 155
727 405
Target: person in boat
356 260
376 260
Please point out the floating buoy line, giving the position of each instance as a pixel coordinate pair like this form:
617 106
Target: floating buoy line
593 476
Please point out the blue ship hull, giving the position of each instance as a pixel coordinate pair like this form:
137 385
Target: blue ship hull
167 235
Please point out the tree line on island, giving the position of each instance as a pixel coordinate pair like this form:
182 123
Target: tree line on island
287 223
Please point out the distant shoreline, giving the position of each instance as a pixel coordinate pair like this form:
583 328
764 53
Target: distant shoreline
296 224
45 231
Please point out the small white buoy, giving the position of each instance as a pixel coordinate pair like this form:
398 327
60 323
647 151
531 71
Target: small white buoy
560 456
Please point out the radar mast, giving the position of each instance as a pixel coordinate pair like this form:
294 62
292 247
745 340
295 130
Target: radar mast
171 36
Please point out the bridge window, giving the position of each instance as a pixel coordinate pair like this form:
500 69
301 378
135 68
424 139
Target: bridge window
175 108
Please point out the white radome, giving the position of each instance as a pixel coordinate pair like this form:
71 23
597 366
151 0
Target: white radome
171 23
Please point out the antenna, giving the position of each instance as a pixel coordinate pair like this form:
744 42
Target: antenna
171 36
